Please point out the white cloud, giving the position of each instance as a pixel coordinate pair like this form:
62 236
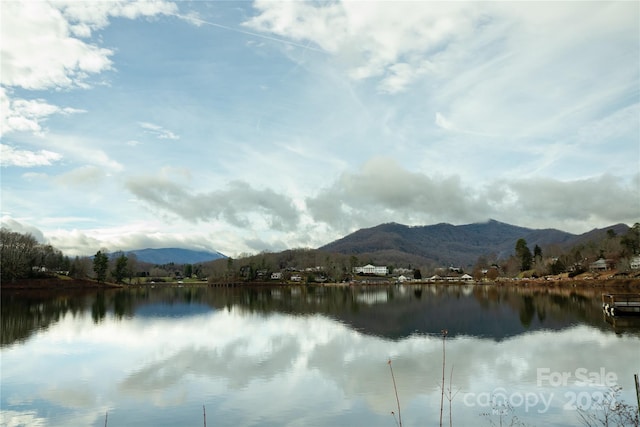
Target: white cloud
22 227
42 44
82 150
75 242
241 205
24 158
134 235
442 122
38 51
383 191
43 47
390 41
158 131
93 16
87 176
512 69
20 115
604 199
401 75
526 74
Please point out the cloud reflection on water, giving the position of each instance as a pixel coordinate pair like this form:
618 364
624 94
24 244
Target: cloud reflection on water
277 369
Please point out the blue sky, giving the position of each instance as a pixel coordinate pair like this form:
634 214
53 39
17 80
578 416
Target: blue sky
250 126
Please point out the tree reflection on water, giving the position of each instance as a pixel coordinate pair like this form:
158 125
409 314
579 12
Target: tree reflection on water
390 311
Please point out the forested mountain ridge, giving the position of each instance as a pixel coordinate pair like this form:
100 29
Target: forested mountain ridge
459 245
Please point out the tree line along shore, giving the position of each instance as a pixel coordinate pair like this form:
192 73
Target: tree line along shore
612 261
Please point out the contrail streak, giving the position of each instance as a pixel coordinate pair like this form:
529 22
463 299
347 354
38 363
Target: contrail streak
248 33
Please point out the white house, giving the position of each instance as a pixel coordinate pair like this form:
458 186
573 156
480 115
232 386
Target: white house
635 262
371 269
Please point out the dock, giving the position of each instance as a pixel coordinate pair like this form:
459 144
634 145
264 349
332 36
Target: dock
621 304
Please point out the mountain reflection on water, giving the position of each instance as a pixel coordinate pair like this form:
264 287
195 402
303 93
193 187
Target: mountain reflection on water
300 356
392 312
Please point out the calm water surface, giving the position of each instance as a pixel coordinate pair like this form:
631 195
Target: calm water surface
308 356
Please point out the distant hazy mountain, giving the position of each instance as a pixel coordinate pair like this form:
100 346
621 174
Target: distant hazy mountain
175 255
446 244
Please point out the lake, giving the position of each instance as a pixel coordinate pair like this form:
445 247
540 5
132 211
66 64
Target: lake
311 356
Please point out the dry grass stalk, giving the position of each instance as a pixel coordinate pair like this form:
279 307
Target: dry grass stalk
395 389
444 337
204 414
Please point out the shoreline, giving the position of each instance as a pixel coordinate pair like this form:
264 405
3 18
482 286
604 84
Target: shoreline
608 284
53 283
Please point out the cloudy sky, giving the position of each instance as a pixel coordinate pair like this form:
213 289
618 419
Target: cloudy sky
250 126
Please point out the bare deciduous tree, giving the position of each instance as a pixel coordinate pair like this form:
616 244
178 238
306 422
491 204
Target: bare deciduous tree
17 254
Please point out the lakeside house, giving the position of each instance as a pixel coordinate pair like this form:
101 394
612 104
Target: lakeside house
372 269
634 263
451 278
602 265
598 265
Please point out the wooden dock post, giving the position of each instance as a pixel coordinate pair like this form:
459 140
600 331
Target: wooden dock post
635 377
621 304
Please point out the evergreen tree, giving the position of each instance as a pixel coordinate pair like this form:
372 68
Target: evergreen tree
523 254
100 265
188 270
537 252
120 271
558 267
631 240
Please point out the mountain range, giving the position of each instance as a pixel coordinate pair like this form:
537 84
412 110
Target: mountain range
175 255
457 245
441 244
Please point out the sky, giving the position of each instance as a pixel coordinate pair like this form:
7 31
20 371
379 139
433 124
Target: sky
243 127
